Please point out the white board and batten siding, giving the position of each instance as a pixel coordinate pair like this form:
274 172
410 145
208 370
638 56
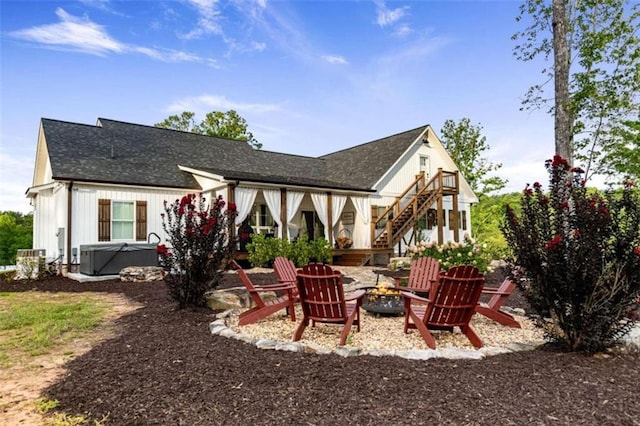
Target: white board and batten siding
404 172
85 209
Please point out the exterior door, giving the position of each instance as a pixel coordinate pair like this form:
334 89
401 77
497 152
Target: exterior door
425 166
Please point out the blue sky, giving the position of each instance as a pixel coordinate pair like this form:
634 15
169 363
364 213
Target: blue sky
310 77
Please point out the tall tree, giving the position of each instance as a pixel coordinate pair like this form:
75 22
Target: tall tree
595 49
465 144
229 125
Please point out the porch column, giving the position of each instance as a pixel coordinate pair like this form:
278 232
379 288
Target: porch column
329 217
441 215
283 212
231 198
456 222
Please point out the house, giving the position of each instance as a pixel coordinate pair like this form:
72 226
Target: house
107 183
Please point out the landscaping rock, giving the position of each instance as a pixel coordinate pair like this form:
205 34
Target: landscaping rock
138 274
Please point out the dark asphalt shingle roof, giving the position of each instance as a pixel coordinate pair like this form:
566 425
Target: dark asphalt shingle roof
126 153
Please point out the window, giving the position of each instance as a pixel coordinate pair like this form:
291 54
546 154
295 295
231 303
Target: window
462 216
432 219
425 166
122 220
261 219
383 222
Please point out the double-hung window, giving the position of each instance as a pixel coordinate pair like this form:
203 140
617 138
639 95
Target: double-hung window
122 220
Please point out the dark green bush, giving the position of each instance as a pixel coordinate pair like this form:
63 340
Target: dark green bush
576 257
263 250
199 245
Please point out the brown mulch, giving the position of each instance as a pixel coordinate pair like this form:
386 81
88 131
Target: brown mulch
166 368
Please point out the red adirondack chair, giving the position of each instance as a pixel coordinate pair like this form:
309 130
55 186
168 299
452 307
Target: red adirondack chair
285 270
323 300
423 272
451 303
492 310
263 308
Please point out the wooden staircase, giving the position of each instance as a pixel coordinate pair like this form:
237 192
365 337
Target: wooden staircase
402 216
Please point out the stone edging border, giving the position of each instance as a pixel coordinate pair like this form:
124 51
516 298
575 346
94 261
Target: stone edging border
219 327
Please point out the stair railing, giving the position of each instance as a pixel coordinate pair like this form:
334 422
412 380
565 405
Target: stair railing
440 183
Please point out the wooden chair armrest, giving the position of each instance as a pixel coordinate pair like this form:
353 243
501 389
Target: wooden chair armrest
411 296
486 290
358 294
275 287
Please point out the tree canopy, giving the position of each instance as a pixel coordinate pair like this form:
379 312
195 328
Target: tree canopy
16 232
228 125
596 42
465 144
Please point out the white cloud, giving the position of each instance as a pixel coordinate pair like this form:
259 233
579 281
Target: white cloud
207 103
402 30
79 34
208 21
333 59
83 35
386 16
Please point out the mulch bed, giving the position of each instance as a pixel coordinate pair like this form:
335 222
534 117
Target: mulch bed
165 367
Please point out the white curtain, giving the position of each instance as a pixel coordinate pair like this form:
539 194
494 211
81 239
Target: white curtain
337 202
362 234
294 199
320 204
245 197
272 197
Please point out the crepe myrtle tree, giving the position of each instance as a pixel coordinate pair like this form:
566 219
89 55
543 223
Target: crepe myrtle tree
576 258
199 244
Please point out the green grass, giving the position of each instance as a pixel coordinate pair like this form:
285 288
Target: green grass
32 323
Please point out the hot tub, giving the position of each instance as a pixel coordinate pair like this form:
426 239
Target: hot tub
111 258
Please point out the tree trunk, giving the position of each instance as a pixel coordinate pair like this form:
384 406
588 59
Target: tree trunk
563 119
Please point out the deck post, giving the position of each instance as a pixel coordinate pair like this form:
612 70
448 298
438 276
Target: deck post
284 232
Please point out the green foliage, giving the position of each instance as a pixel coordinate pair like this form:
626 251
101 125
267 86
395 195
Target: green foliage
16 232
623 156
199 244
263 250
228 125
466 145
486 217
576 257
604 78
453 253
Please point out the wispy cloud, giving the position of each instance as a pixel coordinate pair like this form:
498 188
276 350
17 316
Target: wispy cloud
72 32
386 16
80 34
402 30
103 5
333 59
208 19
206 103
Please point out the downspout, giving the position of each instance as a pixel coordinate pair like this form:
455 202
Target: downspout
69 206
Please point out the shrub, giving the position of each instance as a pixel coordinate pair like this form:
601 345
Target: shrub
452 253
576 258
262 250
198 245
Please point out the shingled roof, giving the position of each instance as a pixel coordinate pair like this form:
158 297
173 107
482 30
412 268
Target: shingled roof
133 154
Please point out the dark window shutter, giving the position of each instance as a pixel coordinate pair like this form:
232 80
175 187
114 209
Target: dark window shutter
104 220
141 220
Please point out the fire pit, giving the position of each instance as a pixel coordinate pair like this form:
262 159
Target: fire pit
383 300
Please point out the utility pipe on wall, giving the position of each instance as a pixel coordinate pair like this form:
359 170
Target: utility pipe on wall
69 206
